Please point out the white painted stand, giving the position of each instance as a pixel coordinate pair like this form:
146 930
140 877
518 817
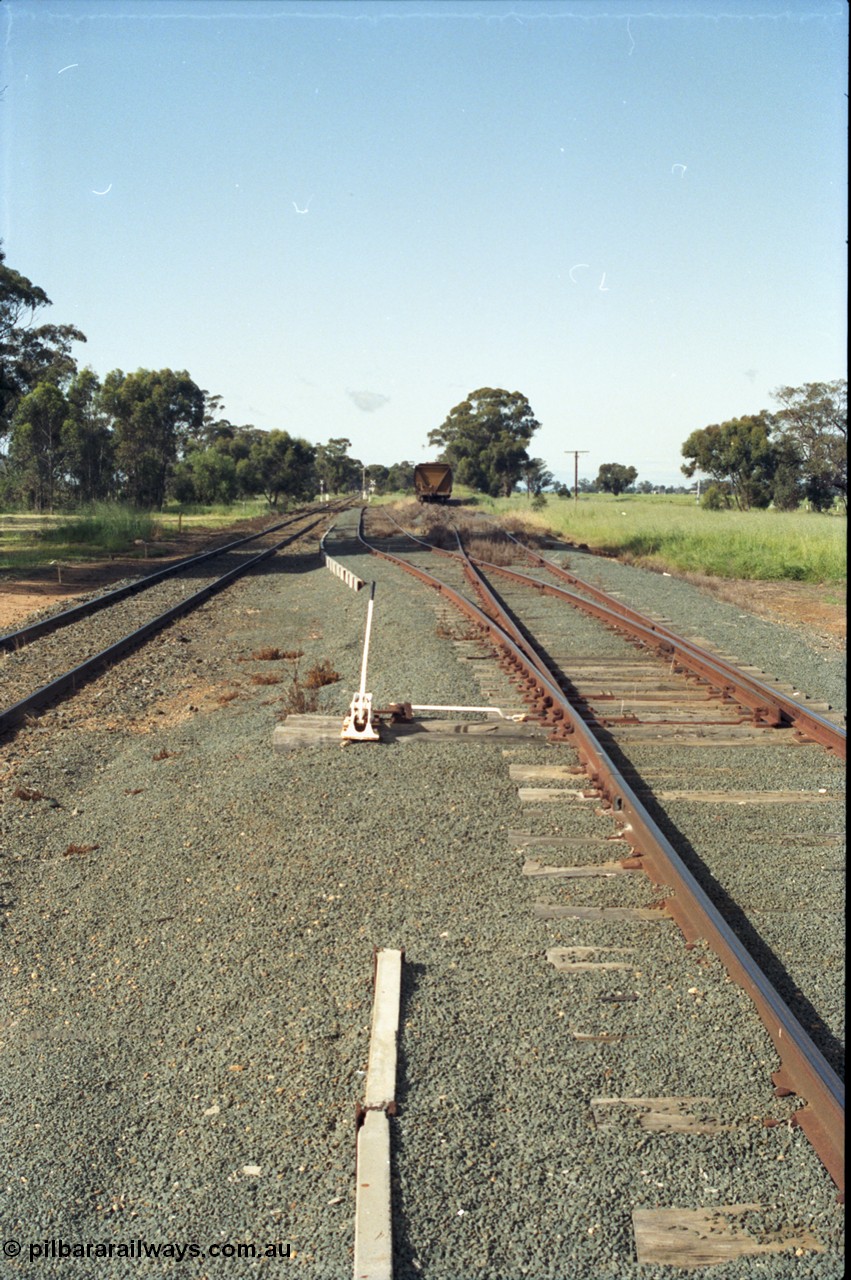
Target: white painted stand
358 726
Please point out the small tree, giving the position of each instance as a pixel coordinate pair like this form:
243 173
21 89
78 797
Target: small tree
715 498
614 478
205 475
536 477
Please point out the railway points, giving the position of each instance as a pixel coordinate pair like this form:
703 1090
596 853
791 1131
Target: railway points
557 1116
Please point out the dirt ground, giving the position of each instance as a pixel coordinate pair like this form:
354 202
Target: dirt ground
821 608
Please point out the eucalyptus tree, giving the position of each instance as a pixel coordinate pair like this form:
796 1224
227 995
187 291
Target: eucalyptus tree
205 475
29 353
338 472
88 441
614 477
280 466
485 438
400 476
153 415
36 448
738 453
813 420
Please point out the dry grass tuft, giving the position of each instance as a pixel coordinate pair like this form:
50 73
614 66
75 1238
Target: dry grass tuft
320 675
261 679
298 699
381 525
493 550
303 694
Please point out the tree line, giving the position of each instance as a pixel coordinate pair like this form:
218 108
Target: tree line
783 458
66 437
797 453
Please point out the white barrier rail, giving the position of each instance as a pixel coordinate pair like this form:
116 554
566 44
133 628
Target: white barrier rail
350 579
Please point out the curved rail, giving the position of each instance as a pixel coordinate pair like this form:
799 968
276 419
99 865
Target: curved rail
70 680
803 1069
769 705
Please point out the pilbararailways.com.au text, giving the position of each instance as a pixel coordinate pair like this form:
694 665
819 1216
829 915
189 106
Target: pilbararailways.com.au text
138 1248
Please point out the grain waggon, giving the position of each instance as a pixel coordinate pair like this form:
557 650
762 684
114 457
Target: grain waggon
433 482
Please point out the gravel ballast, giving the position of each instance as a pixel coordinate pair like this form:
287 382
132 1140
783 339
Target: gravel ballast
190 922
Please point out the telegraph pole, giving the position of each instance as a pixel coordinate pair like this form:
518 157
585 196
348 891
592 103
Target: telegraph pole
576 453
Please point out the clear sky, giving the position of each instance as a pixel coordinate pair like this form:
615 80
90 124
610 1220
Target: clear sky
344 216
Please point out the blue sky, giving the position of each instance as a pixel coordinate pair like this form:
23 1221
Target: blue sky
343 217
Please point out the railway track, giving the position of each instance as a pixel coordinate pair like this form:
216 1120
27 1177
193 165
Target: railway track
617 706
52 656
190 920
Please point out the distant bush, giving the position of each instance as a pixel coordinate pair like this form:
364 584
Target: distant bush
715 499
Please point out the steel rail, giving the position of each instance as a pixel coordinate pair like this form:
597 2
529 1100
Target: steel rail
13 640
768 706
746 689
69 681
803 1071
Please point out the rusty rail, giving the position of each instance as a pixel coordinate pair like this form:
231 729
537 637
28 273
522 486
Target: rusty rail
803 1070
769 705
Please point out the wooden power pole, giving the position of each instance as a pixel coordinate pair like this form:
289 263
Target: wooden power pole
576 453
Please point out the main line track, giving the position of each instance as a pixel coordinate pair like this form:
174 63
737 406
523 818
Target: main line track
804 1069
131 614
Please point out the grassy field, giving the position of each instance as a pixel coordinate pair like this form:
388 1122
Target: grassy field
663 531
30 541
672 532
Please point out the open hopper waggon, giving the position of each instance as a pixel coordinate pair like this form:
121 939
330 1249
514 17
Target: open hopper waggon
433 482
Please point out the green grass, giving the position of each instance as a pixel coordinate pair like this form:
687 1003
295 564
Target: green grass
672 532
106 527
662 531
215 516
30 541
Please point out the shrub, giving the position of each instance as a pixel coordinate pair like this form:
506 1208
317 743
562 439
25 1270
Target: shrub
715 499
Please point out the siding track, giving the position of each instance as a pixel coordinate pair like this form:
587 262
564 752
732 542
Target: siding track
133 614
580 711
